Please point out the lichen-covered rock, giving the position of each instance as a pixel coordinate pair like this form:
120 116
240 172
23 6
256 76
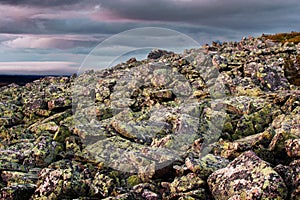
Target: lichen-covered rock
248 115
14 177
17 192
44 152
157 53
12 161
247 177
131 157
206 165
291 176
188 186
10 114
190 195
59 103
293 148
18 185
101 186
286 127
269 78
71 179
145 191
186 183
232 149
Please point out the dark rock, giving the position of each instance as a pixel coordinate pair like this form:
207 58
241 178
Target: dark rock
157 53
291 177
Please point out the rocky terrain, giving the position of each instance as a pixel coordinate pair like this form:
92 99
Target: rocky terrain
218 122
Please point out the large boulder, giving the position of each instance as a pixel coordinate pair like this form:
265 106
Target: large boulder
247 176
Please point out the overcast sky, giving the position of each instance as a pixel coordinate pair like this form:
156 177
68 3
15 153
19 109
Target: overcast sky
55 36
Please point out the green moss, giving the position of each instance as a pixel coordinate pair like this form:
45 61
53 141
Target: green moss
133 180
61 134
244 128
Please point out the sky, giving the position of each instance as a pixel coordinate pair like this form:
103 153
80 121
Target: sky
55 37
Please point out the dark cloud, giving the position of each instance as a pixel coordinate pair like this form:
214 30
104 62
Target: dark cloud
231 14
84 26
40 3
25 26
59 26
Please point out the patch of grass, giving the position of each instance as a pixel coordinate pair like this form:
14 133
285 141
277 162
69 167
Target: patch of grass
285 37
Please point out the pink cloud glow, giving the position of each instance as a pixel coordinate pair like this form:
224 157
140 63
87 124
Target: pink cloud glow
97 13
41 43
46 41
8 12
107 15
38 68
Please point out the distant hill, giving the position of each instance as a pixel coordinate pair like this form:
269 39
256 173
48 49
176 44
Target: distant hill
17 79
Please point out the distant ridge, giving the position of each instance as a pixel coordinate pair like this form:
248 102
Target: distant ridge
19 79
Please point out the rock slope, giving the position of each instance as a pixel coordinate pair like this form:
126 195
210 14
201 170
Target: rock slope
219 122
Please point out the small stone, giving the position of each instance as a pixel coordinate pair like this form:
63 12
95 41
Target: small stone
292 148
186 183
59 103
206 165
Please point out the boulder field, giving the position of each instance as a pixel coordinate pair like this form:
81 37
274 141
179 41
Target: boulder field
219 122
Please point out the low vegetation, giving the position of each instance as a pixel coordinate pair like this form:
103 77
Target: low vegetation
285 37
